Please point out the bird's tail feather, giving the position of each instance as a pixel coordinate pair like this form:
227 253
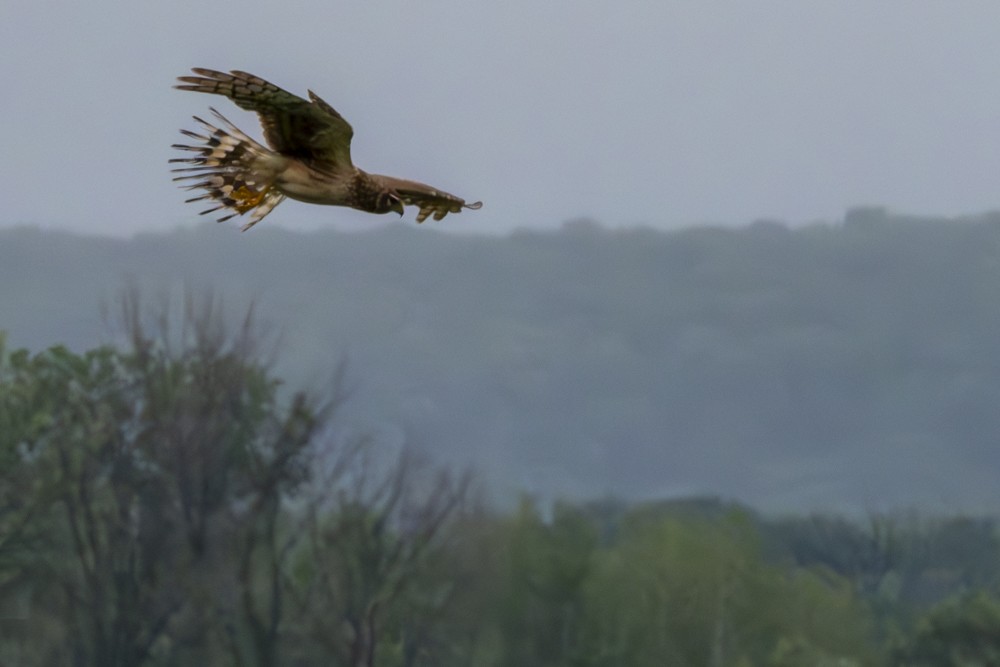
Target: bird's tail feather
227 166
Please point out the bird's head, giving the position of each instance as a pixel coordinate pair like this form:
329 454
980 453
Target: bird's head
390 201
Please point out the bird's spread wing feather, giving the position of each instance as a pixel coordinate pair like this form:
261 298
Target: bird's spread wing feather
308 130
432 202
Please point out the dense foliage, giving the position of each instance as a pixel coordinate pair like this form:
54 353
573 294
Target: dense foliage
164 503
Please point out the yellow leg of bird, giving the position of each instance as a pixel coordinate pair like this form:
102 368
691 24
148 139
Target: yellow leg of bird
247 199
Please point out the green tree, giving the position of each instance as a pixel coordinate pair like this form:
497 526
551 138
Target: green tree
143 475
171 504
544 567
365 581
961 632
697 591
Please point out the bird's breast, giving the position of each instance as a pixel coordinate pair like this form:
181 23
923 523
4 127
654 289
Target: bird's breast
301 182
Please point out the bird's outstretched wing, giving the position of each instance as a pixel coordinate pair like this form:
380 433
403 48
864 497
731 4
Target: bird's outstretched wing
432 202
308 130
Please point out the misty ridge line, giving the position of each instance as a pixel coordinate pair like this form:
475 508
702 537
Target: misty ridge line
844 366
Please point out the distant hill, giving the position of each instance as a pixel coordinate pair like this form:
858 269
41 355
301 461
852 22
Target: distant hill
847 366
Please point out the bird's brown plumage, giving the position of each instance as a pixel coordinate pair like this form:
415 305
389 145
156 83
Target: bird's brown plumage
309 157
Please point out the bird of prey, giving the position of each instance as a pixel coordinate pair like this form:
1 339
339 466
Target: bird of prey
309 158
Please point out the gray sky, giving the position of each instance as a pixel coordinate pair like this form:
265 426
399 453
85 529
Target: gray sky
630 112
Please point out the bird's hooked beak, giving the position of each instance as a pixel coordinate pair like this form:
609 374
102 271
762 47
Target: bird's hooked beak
397 205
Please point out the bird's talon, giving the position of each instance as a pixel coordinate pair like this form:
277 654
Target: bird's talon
247 199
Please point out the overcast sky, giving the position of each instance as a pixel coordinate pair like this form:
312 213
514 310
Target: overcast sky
629 112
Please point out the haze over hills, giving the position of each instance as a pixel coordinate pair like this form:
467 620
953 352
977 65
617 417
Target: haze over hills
847 366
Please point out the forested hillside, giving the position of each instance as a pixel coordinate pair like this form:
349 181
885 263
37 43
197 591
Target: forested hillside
852 366
163 503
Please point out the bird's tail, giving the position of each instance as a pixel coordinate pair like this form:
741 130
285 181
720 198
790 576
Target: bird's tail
228 167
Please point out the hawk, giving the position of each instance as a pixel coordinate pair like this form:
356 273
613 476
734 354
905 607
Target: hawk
309 158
